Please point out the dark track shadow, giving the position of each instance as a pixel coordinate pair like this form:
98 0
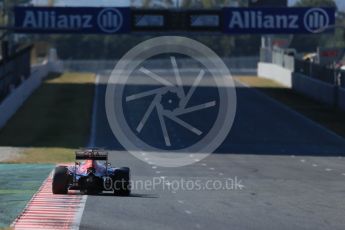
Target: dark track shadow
55 115
260 127
265 127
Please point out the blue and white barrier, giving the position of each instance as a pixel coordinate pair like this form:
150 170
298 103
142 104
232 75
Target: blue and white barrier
275 73
323 92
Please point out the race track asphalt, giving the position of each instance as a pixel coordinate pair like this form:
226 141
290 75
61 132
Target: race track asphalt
290 174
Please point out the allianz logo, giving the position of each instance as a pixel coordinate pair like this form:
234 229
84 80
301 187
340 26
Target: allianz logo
108 20
314 20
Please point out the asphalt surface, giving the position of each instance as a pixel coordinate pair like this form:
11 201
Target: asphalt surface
290 174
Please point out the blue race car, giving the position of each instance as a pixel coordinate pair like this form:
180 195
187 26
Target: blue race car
91 174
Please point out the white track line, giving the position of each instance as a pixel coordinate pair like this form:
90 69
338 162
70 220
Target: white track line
79 214
92 140
92 143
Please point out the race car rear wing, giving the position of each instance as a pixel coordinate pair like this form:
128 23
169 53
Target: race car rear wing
91 155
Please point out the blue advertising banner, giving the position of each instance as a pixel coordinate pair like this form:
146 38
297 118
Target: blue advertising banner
283 20
93 20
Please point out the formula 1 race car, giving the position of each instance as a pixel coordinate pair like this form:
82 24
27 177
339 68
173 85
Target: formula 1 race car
91 174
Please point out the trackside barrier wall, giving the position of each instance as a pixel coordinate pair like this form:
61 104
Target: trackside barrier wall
341 98
320 82
10 105
276 73
316 89
341 92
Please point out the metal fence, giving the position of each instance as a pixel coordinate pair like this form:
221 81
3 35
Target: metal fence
13 70
282 59
266 55
342 79
278 57
316 71
307 68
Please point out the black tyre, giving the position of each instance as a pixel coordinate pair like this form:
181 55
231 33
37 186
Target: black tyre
60 180
122 185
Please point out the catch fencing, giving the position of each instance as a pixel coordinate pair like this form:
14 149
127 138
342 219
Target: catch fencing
14 70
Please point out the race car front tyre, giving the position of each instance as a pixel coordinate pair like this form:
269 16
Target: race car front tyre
60 180
122 186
